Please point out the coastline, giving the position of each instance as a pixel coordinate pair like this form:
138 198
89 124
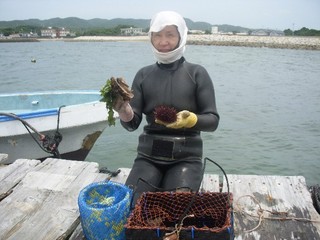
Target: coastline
291 42
13 40
284 42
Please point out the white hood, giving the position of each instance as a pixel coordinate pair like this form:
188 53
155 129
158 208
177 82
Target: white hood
161 20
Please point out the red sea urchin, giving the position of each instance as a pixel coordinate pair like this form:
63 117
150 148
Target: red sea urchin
165 114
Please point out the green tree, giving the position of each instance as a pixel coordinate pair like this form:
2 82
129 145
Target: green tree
7 31
288 32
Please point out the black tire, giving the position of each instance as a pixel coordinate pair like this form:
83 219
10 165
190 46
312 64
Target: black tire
315 196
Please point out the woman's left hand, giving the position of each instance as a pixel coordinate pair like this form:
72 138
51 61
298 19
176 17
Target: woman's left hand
185 119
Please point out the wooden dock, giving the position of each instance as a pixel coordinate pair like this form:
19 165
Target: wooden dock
38 200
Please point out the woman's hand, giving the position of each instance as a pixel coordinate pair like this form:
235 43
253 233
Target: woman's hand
185 119
124 109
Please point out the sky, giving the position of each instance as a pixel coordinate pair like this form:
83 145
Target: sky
255 14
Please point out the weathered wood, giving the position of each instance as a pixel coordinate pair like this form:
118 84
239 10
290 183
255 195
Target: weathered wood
11 175
77 234
122 175
210 183
44 204
285 208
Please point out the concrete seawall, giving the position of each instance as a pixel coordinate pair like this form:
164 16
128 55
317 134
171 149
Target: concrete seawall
292 42
310 43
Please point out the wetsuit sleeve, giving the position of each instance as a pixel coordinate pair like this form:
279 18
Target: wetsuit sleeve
136 104
208 117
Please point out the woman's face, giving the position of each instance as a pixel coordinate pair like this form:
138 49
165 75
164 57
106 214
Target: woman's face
166 40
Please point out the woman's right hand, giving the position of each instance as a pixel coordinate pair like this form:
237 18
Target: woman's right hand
124 109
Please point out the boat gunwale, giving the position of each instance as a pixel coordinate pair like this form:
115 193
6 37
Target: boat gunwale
49 92
45 111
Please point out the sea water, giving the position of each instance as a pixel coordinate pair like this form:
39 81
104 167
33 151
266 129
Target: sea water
268 99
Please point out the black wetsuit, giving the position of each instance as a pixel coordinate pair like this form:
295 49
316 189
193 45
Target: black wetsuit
171 158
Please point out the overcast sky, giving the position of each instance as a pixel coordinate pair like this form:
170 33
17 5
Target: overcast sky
273 14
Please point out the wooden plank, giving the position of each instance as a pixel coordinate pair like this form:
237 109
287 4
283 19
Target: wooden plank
282 203
44 205
11 175
16 208
122 175
50 181
210 183
69 167
59 215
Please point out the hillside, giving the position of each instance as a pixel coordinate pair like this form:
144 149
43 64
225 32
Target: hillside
75 24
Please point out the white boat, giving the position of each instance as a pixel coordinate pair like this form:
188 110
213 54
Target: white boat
32 124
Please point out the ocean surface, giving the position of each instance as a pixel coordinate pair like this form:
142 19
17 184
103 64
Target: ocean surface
268 99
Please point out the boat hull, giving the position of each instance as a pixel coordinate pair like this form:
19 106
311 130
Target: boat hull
79 124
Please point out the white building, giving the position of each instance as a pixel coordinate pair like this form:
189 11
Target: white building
197 32
214 30
55 33
131 31
63 32
49 32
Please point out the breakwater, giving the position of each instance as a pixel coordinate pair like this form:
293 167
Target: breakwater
290 42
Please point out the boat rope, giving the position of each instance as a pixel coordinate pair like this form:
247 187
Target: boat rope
49 143
265 214
12 115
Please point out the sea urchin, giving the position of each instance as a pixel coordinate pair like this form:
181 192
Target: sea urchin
165 114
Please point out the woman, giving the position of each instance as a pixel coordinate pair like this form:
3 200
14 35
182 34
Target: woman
169 154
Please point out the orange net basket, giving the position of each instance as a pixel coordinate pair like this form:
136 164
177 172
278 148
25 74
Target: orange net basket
200 215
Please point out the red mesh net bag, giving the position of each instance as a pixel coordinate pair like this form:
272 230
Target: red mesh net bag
184 215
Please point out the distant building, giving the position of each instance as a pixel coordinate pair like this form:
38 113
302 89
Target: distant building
63 32
29 35
131 31
49 32
242 33
267 33
55 33
276 33
259 33
15 35
214 30
197 32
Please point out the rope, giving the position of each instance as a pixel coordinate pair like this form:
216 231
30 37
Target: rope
261 214
175 235
49 144
25 123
